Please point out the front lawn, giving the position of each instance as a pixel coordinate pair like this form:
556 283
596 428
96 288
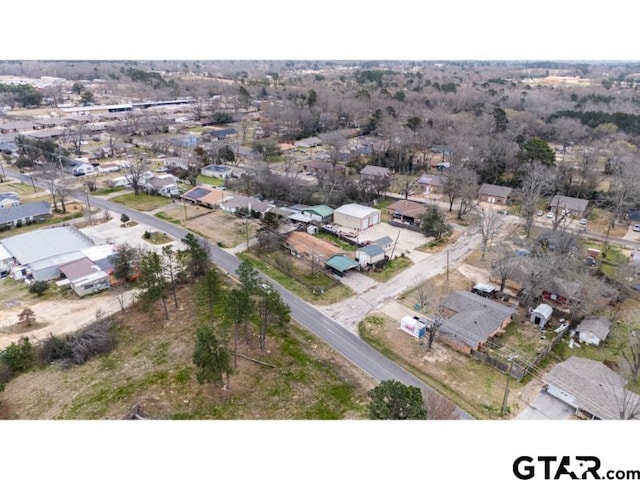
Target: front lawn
142 202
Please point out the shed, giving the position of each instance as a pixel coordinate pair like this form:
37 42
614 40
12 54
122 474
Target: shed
369 255
85 276
541 315
356 217
593 330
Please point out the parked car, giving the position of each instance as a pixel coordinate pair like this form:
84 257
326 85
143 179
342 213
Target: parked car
550 215
590 261
583 221
636 228
540 213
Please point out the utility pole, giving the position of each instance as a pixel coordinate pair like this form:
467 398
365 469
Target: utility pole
511 359
447 266
246 224
86 197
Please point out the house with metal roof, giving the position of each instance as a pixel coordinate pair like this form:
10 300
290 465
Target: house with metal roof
471 320
26 213
494 193
593 389
84 277
319 213
303 244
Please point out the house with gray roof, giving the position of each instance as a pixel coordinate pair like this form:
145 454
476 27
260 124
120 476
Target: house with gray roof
593 389
575 207
373 172
469 320
494 193
433 184
593 330
24 214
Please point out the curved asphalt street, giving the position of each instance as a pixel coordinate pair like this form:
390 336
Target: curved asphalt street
346 343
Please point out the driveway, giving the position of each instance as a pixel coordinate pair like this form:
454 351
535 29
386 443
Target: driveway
546 407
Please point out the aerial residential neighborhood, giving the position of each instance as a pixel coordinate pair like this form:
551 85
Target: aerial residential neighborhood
222 240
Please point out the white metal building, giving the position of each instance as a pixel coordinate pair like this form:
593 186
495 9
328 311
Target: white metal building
356 217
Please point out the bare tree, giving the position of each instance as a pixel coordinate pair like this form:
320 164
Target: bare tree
631 355
534 184
50 176
488 224
134 173
75 135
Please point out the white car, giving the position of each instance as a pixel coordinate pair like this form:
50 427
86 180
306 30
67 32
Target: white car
550 215
636 228
583 221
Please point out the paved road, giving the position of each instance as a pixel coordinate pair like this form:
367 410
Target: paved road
346 343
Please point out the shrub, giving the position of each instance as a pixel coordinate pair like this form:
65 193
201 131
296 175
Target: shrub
78 348
18 356
38 287
146 235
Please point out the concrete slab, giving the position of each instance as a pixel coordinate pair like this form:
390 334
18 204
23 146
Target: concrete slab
408 240
546 407
357 281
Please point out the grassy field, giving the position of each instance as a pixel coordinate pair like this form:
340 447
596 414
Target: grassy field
141 202
203 179
20 188
151 367
109 190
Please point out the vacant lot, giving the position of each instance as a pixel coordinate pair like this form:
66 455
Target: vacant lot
216 225
151 367
142 202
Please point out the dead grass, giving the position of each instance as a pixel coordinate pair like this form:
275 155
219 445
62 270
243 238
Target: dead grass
216 225
151 367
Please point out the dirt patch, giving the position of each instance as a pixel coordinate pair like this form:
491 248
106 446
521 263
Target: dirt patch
215 225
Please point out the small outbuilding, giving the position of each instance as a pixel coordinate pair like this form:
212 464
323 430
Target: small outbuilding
414 326
593 330
340 264
541 315
369 255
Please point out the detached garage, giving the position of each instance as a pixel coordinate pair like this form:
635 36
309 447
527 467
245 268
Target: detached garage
356 217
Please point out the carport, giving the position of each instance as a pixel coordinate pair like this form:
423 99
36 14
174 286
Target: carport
339 264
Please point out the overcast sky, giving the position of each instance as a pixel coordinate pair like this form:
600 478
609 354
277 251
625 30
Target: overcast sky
331 29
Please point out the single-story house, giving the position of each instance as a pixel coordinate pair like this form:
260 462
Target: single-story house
26 213
356 217
196 193
369 255
373 172
165 185
541 315
308 142
8 202
576 207
593 330
215 197
322 167
303 244
84 277
222 133
119 182
340 264
469 320
494 193
217 171
176 162
320 213
433 184
236 202
108 167
592 388
406 211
